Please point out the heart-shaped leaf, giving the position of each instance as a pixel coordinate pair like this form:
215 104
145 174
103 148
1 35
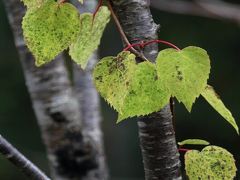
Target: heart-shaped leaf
90 36
214 100
131 88
145 95
212 162
184 73
111 77
50 29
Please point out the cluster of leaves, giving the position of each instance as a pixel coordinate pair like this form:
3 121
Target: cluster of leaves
50 27
131 88
139 89
212 162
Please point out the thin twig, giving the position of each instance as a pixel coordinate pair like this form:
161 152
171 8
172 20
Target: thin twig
122 34
97 8
145 43
20 161
183 150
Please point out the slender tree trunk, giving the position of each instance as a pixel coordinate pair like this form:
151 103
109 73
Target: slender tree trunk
72 155
88 98
157 137
90 105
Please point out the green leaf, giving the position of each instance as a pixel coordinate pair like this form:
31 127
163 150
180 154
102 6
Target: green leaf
111 77
90 36
34 3
214 100
145 95
50 29
131 88
193 142
211 163
184 73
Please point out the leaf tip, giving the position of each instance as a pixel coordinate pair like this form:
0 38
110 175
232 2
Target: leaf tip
120 118
237 130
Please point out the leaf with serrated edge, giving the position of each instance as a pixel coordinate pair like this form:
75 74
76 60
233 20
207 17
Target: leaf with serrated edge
90 36
111 75
212 162
184 73
193 142
50 29
131 88
214 100
145 95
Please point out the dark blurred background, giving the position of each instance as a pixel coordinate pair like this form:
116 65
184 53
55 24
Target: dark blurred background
220 38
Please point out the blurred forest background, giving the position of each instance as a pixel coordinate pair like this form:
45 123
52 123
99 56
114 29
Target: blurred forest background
220 38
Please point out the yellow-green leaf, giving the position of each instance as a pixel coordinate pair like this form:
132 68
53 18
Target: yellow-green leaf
212 163
111 75
214 100
131 88
144 95
50 29
193 142
90 36
184 73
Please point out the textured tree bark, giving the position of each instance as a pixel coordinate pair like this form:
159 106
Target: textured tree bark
20 161
157 137
72 156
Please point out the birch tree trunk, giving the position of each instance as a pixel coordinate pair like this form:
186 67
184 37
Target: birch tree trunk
91 117
72 154
157 137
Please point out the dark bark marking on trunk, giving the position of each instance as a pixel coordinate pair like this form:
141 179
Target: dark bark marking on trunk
76 161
